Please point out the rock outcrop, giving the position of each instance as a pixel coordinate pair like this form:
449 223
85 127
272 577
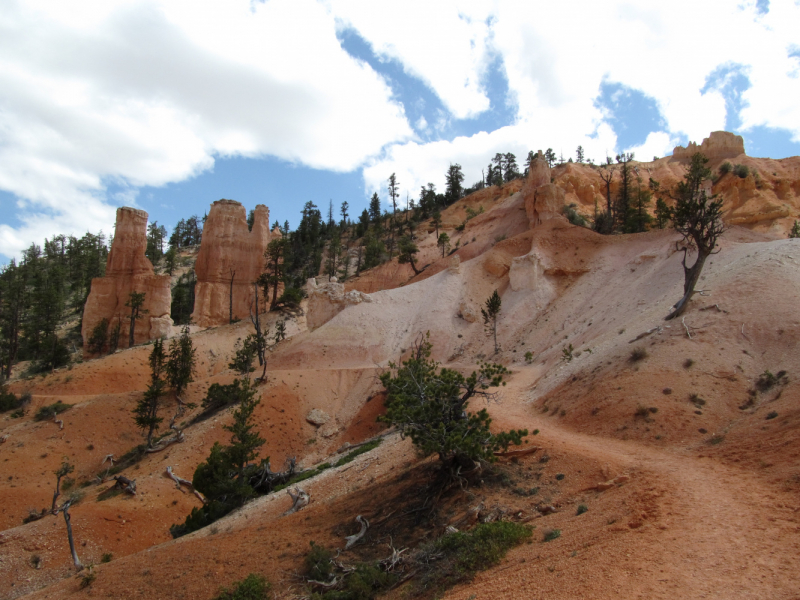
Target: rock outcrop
720 144
231 258
328 300
543 200
128 270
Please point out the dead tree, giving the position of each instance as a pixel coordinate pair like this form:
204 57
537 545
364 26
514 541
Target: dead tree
64 470
65 510
179 481
126 485
352 539
698 219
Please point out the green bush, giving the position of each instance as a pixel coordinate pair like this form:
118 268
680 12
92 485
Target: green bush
637 354
9 401
725 168
457 557
573 216
48 412
552 534
582 508
252 587
741 170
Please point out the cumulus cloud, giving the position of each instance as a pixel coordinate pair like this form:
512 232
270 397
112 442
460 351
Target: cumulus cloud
557 56
127 93
145 93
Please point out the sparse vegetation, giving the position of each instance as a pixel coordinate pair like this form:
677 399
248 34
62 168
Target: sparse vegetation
687 364
637 354
457 557
725 168
551 534
741 171
766 381
582 508
529 357
697 400
252 587
48 412
771 415
87 579
567 353
107 557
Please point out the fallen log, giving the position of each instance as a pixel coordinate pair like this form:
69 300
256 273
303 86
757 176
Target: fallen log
352 539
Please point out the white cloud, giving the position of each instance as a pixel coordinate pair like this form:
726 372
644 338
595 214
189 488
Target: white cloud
147 93
443 43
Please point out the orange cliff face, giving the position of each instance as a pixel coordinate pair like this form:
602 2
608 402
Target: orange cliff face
230 260
128 270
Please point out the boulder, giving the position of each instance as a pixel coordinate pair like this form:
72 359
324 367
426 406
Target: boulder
128 270
231 258
467 312
317 417
720 144
328 300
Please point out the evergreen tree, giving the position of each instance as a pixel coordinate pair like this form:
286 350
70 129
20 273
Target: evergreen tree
443 241
393 187
699 220
453 179
407 249
429 404
146 411
181 363
375 209
511 171
135 303
795 232
490 314
550 157
579 154
275 269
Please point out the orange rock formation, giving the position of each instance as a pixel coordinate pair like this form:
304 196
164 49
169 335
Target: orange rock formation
230 258
128 270
543 200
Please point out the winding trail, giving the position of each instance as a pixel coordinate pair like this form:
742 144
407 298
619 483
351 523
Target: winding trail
694 527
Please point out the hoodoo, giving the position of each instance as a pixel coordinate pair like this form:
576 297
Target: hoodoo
231 258
128 270
543 199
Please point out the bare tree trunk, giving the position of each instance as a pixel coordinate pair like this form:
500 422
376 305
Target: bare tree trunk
133 327
691 277
76 561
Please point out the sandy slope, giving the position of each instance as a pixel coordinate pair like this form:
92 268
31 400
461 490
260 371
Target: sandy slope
710 506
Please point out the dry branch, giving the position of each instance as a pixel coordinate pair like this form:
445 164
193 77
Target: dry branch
686 328
179 481
523 452
352 539
300 497
125 484
646 333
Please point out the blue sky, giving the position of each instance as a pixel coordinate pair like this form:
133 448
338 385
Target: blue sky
170 106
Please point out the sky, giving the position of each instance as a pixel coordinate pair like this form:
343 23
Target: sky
168 106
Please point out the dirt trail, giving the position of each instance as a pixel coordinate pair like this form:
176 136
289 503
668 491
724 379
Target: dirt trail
695 528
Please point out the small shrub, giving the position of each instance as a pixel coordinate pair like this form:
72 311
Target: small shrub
653 409
252 587
9 401
107 557
687 364
461 227
529 357
717 439
573 216
582 508
771 415
457 557
725 168
48 412
551 534
87 579
637 354
741 170
560 477
36 561
566 353
642 411
318 563
697 400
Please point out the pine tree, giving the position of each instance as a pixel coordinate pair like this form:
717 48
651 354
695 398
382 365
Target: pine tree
429 404
699 220
407 249
146 411
181 363
579 154
443 241
454 179
490 314
135 303
795 232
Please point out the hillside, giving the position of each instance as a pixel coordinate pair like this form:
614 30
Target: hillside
687 466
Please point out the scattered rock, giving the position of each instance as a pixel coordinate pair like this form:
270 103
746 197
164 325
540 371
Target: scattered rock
467 312
317 417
